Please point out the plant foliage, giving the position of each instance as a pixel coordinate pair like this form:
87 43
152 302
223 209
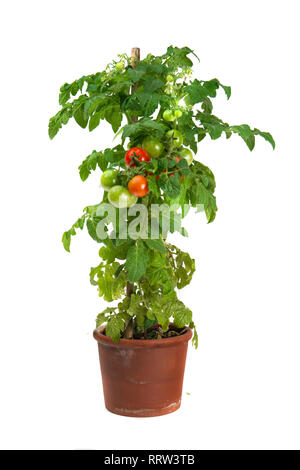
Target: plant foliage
154 268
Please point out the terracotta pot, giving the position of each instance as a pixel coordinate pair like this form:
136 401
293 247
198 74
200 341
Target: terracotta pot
142 378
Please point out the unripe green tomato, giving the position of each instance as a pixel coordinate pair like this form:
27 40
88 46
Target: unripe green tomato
108 179
170 78
187 154
176 137
120 197
177 113
168 115
119 66
153 146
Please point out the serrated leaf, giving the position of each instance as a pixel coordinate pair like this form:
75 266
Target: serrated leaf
151 84
114 327
156 245
172 187
181 314
153 186
136 262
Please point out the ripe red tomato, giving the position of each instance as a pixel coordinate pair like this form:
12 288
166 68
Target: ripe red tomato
137 152
138 186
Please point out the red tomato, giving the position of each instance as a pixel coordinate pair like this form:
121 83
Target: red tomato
138 186
137 152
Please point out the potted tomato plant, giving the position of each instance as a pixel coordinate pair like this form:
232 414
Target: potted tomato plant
150 179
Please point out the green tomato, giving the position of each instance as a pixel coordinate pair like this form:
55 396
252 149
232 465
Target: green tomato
120 197
187 154
108 179
176 136
119 66
169 115
170 78
153 146
177 113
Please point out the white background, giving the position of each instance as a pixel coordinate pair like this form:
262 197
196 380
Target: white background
244 379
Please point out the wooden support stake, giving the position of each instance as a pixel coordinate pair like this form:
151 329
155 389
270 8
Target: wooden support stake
135 57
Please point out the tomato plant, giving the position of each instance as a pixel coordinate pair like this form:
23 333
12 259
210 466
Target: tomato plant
163 112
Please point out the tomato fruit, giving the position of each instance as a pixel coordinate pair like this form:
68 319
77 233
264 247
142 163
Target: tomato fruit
168 115
119 66
153 146
177 113
137 152
187 154
108 179
138 186
176 137
120 197
170 78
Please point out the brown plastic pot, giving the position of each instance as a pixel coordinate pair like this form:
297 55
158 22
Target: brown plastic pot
142 378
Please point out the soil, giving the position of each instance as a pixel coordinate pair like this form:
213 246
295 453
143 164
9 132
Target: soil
156 332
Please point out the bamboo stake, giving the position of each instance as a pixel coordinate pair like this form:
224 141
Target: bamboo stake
135 57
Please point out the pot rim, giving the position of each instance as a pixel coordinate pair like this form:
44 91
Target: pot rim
149 343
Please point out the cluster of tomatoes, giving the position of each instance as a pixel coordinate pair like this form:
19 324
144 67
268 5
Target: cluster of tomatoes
122 197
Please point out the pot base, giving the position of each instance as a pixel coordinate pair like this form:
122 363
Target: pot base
144 413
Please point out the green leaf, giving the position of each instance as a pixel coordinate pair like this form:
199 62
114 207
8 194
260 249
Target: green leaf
90 163
227 90
251 142
95 120
109 287
80 117
143 127
181 314
151 84
56 122
102 318
64 94
114 327
156 245
66 238
113 115
153 186
136 263
266 135
137 73
172 187
137 309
